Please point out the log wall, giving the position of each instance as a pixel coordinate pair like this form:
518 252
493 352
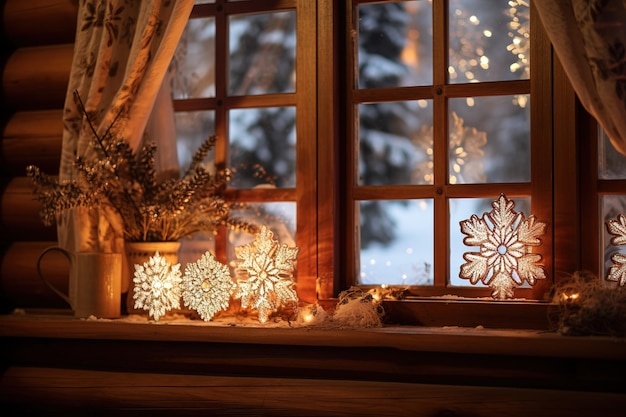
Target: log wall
35 73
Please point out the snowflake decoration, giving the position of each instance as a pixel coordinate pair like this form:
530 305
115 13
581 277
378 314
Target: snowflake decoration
157 286
266 269
465 153
207 286
617 228
505 238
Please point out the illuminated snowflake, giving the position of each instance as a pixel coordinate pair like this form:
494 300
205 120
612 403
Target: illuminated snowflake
157 286
465 153
505 238
207 286
266 269
617 228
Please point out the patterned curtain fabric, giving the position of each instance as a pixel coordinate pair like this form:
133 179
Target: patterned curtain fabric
121 55
589 36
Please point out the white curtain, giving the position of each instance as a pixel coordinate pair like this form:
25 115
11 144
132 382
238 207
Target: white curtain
589 37
121 54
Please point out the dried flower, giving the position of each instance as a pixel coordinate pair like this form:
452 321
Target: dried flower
151 209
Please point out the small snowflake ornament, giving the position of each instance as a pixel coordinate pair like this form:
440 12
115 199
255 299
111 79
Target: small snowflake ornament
617 228
505 238
157 286
207 286
266 269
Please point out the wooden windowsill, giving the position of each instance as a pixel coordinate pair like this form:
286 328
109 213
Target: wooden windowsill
447 339
41 352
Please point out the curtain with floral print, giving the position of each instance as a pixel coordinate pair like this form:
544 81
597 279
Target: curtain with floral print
589 37
121 55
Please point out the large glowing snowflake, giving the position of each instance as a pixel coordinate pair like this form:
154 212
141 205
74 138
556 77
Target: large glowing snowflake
157 286
505 238
207 286
266 269
617 228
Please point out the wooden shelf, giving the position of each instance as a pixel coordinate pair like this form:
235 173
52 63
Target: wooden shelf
448 339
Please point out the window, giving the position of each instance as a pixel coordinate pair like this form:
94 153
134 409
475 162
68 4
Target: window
603 175
444 113
612 194
382 125
244 74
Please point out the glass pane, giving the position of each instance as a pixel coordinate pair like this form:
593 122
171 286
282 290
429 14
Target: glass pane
280 217
396 242
262 53
194 61
611 164
395 143
612 206
395 44
192 129
193 247
489 43
462 209
489 140
263 146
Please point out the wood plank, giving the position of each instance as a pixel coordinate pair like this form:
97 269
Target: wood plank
32 137
39 22
44 389
20 286
236 330
19 213
36 78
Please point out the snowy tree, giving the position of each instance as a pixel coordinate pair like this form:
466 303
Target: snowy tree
262 61
385 149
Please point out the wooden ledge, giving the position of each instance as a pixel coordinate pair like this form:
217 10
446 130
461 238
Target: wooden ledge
450 339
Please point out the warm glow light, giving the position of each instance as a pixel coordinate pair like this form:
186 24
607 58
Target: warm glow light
266 274
505 238
617 228
570 297
157 286
207 286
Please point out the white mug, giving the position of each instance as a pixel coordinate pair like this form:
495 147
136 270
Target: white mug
95 282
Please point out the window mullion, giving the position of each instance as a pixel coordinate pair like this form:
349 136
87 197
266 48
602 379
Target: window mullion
221 113
328 173
350 230
440 142
306 153
541 143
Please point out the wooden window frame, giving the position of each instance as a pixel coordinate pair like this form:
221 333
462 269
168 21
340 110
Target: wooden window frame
303 100
323 227
556 114
440 190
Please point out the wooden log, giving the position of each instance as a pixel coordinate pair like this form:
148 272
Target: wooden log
19 213
39 22
36 78
32 137
20 285
34 390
